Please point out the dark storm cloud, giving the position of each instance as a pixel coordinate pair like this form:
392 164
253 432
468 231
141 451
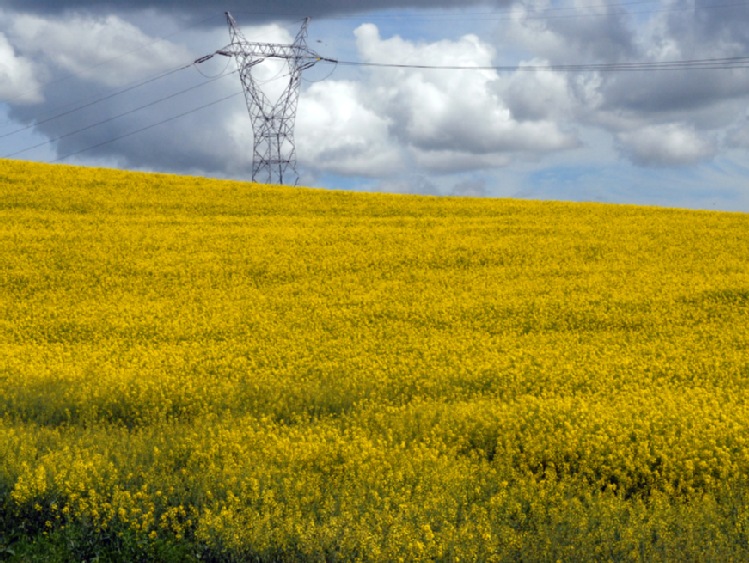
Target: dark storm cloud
259 8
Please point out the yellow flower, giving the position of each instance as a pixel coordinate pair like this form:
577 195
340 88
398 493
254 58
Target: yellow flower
317 374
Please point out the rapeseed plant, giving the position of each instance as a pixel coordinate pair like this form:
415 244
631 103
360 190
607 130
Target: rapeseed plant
292 374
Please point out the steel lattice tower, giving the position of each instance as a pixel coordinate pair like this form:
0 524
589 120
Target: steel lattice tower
274 150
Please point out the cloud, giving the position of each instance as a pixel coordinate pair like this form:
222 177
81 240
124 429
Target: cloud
106 50
448 161
397 122
725 24
738 137
338 133
671 144
684 31
415 130
18 82
199 142
258 8
673 92
594 33
667 118
676 34
452 119
471 187
411 184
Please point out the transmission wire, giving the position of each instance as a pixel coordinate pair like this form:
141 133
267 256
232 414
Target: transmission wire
694 64
146 128
109 119
98 100
111 59
452 15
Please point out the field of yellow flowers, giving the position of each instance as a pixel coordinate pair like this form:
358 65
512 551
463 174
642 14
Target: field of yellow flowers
214 370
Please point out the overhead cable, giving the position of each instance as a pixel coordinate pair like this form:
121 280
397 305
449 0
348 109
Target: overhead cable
725 63
97 100
147 127
507 12
109 119
135 50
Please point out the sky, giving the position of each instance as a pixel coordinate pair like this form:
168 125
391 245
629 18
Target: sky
111 83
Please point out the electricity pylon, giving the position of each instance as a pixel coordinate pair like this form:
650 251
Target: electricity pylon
274 150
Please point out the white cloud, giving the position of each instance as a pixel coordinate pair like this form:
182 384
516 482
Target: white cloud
415 130
620 102
18 83
336 132
594 32
671 144
106 50
538 95
454 119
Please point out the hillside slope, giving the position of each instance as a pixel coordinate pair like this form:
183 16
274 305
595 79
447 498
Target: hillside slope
198 367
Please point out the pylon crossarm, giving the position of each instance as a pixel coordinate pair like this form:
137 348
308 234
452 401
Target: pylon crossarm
268 51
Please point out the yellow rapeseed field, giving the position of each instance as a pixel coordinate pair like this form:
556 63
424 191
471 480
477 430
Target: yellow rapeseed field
240 372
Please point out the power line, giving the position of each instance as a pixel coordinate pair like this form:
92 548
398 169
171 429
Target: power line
431 15
726 63
146 128
109 119
117 57
693 64
97 100
673 9
504 13
447 14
